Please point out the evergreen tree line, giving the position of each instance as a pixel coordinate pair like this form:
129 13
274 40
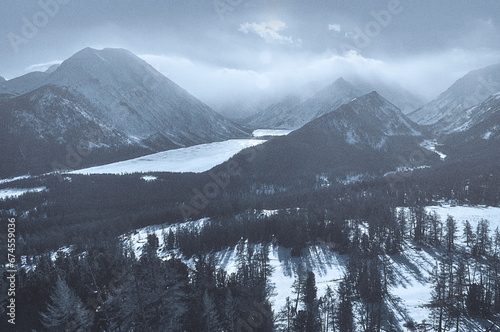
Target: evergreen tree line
466 280
109 289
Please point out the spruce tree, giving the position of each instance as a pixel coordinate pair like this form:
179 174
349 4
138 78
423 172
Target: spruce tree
65 310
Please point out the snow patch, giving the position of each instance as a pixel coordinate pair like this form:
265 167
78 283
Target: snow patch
431 146
487 135
16 192
27 176
149 178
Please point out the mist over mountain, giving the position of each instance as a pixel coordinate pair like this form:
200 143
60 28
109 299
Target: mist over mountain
291 113
294 110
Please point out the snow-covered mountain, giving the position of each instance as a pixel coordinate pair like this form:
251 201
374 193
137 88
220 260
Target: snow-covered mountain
2 79
366 120
134 109
293 113
453 104
366 135
133 97
462 121
480 134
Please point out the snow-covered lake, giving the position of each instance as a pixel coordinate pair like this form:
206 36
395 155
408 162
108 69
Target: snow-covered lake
270 132
197 159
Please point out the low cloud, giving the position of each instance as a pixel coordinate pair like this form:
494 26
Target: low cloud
424 75
269 31
42 66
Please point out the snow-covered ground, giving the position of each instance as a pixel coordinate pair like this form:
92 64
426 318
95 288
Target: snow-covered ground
411 284
431 146
2 181
270 132
16 192
198 158
149 178
471 213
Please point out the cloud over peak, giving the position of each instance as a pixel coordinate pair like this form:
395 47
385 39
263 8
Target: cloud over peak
269 31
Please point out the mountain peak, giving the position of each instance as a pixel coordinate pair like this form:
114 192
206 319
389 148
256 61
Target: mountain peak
2 79
341 82
370 113
106 54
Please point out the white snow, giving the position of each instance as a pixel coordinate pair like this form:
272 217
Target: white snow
431 146
487 135
136 239
16 192
471 213
149 178
198 158
2 181
270 132
412 284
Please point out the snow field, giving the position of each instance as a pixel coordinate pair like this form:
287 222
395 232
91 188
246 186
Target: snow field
197 159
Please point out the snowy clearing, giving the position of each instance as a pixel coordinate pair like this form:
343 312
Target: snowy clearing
431 146
197 159
16 192
2 181
471 213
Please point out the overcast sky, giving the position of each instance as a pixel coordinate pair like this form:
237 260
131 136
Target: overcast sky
235 49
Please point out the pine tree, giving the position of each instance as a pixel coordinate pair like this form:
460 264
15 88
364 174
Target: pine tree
451 232
438 301
65 310
345 316
311 304
468 234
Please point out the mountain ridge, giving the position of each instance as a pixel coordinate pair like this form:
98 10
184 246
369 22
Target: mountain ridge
468 91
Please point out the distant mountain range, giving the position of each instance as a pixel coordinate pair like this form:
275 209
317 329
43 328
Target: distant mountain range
294 111
129 108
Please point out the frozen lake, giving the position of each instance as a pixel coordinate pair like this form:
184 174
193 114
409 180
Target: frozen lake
197 159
